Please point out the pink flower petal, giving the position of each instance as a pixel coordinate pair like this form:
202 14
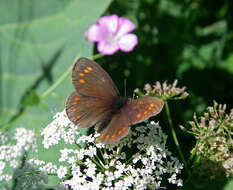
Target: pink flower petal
107 48
109 23
94 33
124 26
128 42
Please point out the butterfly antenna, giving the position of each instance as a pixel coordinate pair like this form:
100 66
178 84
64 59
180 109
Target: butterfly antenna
125 86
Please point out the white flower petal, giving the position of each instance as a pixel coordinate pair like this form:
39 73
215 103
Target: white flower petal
109 23
124 26
107 48
94 33
128 42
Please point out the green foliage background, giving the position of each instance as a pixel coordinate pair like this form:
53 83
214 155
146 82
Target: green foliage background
189 40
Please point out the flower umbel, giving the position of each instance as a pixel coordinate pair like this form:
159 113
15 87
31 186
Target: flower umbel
138 161
214 131
12 150
165 91
112 33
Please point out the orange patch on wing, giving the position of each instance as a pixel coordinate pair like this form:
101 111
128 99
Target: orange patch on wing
81 74
86 71
101 136
124 128
152 105
76 98
82 81
139 115
89 68
107 136
145 112
75 103
119 132
77 116
113 136
83 122
74 110
150 108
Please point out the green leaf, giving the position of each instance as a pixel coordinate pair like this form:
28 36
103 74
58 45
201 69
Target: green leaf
228 64
217 28
39 41
229 185
30 99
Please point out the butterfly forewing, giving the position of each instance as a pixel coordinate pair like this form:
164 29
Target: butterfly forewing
140 109
116 129
85 111
89 79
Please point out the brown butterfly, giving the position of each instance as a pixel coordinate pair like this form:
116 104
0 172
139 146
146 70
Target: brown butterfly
96 100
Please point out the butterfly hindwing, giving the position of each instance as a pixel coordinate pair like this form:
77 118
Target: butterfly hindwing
134 111
116 129
85 111
140 109
89 79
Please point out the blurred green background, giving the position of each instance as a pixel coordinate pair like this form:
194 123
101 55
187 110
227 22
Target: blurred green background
189 40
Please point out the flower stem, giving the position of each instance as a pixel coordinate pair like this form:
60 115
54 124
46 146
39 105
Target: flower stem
11 122
175 138
97 56
57 83
97 163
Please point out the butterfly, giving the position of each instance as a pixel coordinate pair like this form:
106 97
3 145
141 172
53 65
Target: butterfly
96 100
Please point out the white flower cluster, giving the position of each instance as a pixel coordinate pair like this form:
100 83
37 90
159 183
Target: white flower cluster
49 168
13 149
138 161
60 128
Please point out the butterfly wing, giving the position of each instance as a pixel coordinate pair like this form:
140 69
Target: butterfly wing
140 109
89 79
116 129
135 111
85 111
95 93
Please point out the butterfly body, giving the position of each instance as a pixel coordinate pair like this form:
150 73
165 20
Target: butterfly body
97 101
119 103
115 108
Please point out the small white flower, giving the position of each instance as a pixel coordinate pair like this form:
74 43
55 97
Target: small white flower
3 137
179 182
15 163
61 172
49 168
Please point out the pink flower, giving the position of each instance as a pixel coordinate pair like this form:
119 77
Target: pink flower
113 33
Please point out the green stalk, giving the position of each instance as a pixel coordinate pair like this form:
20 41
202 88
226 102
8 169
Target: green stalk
57 83
175 138
97 163
97 56
8 125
